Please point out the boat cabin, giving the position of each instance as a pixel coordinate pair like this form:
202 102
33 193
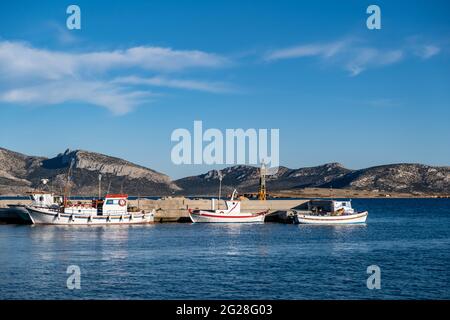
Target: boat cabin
233 205
318 206
115 204
44 199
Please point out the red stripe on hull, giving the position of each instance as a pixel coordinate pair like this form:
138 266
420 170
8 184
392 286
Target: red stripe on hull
342 219
224 216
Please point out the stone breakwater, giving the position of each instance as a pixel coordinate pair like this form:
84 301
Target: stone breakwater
176 209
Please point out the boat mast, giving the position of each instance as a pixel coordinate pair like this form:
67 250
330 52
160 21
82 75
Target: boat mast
109 187
99 186
66 187
220 188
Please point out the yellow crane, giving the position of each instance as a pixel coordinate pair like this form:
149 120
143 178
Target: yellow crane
262 193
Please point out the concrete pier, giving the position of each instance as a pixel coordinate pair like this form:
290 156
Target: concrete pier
176 209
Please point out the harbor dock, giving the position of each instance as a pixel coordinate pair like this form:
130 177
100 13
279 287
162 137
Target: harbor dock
176 209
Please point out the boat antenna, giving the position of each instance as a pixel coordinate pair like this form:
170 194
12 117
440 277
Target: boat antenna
220 187
109 187
66 187
44 183
234 194
99 186
121 186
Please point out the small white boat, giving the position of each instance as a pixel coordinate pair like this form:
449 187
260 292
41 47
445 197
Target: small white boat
356 218
232 214
330 212
112 210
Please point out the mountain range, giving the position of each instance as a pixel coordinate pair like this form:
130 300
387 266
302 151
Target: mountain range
20 173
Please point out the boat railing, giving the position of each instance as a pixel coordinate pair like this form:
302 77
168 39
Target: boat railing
54 209
117 212
80 205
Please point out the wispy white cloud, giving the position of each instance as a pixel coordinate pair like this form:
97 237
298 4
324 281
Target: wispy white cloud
423 47
116 99
62 35
428 51
352 54
20 59
364 58
42 76
188 84
324 50
382 103
150 58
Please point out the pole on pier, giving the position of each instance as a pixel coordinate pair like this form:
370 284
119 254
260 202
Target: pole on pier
220 188
262 193
99 186
67 185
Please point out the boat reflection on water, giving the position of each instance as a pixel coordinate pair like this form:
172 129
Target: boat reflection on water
77 243
340 238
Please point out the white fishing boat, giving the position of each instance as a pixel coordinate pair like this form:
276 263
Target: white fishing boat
112 210
40 199
232 214
330 212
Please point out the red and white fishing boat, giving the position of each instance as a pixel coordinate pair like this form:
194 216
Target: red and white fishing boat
112 210
232 214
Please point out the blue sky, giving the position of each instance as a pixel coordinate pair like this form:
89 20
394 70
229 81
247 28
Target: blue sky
138 70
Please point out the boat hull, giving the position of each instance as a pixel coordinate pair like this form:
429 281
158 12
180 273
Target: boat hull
357 218
16 214
210 217
45 216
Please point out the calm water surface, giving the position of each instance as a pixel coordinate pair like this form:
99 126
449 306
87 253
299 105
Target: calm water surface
408 239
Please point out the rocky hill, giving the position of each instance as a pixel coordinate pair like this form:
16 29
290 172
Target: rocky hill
246 179
406 178
401 177
20 173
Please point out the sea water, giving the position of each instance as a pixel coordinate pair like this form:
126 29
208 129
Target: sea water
408 239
